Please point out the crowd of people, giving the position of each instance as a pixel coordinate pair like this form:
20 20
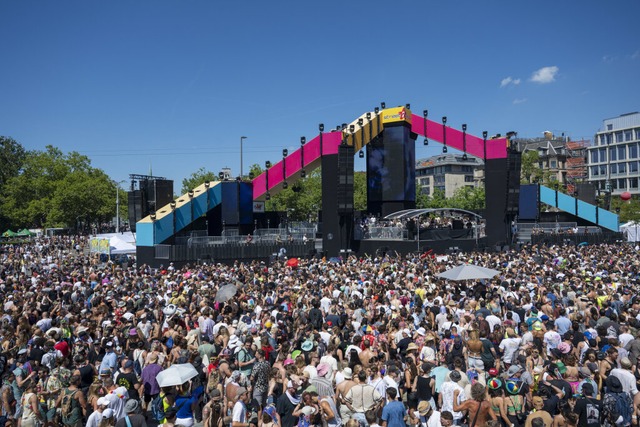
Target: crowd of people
551 340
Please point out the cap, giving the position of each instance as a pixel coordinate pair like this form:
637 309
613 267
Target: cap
107 413
103 401
240 391
347 373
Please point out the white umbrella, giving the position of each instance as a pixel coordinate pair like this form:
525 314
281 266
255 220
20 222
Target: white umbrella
468 272
225 293
176 375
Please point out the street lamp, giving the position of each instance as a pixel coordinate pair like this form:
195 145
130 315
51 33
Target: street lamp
242 138
117 183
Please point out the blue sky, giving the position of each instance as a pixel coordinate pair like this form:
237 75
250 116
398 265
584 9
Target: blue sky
174 84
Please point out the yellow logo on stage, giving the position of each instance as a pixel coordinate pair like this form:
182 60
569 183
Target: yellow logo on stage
396 114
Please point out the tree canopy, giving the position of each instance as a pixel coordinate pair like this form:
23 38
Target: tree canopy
197 178
56 189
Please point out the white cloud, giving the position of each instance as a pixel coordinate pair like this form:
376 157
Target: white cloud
545 75
509 81
635 55
519 101
609 59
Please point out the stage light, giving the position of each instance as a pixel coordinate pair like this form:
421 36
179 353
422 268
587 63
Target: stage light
484 134
285 185
444 134
368 115
360 121
152 215
425 113
464 127
172 204
376 110
267 164
285 152
344 126
352 128
321 127
464 157
221 175
303 140
361 154
190 194
207 184
408 106
267 197
444 149
425 142
303 174
383 105
444 120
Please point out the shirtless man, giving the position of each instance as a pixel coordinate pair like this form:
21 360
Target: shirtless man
366 354
477 417
341 393
474 347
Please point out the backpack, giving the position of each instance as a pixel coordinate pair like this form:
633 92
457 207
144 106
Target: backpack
157 407
66 405
617 405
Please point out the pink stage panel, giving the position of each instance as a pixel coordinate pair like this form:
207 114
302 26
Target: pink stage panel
496 148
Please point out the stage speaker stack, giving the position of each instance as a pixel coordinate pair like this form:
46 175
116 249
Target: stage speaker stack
135 204
514 165
345 179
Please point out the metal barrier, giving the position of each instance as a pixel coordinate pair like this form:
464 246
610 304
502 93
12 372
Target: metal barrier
163 251
576 239
230 251
386 233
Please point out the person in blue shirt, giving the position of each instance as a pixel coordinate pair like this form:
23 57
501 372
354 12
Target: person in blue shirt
563 323
184 403
394 411
109 361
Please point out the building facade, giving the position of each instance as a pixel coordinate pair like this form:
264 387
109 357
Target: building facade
448 172
613 158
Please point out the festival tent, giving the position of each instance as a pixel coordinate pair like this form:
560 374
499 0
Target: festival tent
119 246
9 233
25 233
631 230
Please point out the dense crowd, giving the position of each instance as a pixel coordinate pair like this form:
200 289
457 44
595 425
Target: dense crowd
552 340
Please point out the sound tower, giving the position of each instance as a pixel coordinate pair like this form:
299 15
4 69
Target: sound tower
135 203
514 164
345 179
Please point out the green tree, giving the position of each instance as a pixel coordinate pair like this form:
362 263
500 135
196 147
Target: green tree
468 198
530 170
197 178
12 156
57 189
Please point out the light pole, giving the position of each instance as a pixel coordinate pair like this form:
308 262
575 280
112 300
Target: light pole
117 183
242 138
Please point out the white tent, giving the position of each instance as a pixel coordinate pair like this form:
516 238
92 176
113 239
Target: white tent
119 246
631 230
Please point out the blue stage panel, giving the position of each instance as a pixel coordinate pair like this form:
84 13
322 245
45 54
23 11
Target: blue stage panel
566 203
183 216
528 203
144 234
587 211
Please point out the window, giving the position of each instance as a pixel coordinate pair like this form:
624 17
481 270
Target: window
622 168
424 181
612 153
603 139
637 133
613 169
468 178
622 153
633 151
619 137
594 170
622 184
602 156
633 167
447 168
594 156
603 170
609 138
609 127
633 182
553 164
628 135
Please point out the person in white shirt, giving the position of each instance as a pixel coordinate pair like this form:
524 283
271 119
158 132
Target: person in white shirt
239 414
626 377
510 345
493 320
446 396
